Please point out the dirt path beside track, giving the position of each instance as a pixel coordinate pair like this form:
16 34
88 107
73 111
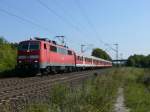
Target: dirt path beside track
119 105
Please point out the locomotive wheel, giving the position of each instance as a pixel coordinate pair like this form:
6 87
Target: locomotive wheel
44 71
70 69
47 71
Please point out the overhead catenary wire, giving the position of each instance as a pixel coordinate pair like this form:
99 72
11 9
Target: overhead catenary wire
68 14
62 18
24 19
59 16
29 21
87 19
17 9
84 14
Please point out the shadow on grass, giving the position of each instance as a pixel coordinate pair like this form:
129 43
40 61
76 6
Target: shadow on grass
8 73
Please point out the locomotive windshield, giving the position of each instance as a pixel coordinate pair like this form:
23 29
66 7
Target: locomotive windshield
29 46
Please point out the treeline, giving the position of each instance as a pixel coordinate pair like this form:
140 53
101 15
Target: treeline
97 52
139 61
8 53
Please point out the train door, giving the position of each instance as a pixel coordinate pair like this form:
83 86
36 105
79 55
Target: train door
75 59
46 56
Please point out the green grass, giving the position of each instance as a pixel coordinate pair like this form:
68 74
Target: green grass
98 94
37 108
93 95
137 95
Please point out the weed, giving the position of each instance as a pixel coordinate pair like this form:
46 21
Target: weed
94 95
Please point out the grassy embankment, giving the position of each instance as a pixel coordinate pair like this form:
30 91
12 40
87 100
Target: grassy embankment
94 95
99 94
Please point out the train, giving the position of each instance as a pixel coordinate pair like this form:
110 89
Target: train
46 56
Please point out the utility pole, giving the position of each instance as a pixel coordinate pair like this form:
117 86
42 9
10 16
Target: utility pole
85 47
121 58
117 52
62 39
82 48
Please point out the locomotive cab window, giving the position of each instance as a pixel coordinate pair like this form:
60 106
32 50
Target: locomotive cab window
53 48
23 47
28 46
34 46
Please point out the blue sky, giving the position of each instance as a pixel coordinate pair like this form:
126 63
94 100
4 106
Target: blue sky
126 22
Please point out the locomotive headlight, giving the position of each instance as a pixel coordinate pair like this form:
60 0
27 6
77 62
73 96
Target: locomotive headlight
35 61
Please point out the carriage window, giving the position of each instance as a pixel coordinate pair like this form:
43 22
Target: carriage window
82 58
85 59
53 48
78 57
90 60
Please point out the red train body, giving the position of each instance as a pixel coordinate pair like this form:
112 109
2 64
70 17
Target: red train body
42 55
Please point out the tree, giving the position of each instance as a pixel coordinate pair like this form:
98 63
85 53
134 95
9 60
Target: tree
8 53
2 40
139 61
97 52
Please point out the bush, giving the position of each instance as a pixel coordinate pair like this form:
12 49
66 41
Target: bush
8 53
97 94
136 93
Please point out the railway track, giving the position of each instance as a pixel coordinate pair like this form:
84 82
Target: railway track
15 88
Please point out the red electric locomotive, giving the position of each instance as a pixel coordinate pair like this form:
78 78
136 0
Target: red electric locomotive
43 55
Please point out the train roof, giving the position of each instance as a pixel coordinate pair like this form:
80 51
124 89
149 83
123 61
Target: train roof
92 57
36 39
